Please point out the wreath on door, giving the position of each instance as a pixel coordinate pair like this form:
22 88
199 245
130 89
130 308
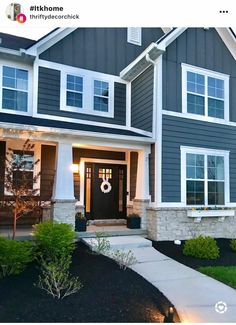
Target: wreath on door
106 186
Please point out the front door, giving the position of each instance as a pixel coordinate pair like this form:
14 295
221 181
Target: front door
105 191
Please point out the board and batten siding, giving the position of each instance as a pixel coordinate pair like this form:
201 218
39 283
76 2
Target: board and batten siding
99 49
2 166
184 132
142 100
49 99
202 48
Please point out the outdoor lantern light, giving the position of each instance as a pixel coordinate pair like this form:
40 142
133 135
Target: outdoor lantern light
75 168
169 317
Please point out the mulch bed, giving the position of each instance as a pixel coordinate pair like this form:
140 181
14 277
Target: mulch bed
227 256
108 295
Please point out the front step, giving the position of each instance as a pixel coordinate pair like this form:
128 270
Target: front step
105 222
123 242
111 233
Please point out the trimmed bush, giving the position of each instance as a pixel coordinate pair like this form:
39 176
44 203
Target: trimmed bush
202 247
232 244
14 256
54 240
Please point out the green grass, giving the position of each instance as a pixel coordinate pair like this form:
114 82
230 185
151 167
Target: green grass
225 274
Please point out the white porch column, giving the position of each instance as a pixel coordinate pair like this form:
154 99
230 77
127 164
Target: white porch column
142 183
63 194
142 197
64 180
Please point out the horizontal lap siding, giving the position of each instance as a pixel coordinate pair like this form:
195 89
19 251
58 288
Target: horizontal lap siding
48 156
184 132
142 101
201 48
49 99
152 173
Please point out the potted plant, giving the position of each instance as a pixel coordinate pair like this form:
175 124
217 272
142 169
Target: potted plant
80 222
133 221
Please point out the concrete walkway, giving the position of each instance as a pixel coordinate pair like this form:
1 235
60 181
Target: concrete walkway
193 294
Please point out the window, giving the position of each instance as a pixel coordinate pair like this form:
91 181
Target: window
205 176
23 165
134 35
74 93
101 96
14 89
205 92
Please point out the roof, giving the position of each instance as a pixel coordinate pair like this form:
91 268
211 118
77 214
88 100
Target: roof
32 121
15 42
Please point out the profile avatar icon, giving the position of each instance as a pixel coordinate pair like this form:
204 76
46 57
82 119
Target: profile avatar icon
14 13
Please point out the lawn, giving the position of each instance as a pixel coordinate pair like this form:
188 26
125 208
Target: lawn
109 294
225 274
222 268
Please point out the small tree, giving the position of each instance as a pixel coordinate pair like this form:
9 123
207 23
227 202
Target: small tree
19 182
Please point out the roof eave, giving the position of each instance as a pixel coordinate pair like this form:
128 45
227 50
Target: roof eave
141 63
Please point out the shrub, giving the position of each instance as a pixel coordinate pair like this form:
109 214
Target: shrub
54 240
56 279
124 259
233 244
201 247
100 245
14 256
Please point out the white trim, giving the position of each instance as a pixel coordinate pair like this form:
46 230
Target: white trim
228 39
48 41
172 36
206 73
28 68
134 39
82 169
128 104
204 151
88 91
158 135
198 118
166 30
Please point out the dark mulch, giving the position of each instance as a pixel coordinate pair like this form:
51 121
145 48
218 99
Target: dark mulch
227 256
108 295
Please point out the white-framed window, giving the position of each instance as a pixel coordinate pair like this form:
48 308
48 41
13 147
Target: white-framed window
204 176
101 96
74 92
26 174
134 35
205 93
14 89
87 92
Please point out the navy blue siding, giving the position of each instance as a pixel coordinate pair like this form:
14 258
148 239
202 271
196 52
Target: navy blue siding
99 49
2 166
49 99
184 132
202 48
142 100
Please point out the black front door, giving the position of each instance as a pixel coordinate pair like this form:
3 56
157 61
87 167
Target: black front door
105 191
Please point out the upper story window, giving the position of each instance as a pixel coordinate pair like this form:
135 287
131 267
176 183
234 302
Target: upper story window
101 96
87 92
205 92
134 35
205 176
14 89
74 93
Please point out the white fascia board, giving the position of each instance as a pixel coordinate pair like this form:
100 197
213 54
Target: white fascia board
48 41
166 30
141 60
229 40
68 133
10 51
172 37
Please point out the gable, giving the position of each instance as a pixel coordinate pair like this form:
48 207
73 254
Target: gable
99 49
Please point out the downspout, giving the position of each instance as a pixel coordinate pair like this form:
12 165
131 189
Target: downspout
148 59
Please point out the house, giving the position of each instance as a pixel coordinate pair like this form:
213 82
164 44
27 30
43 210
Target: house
127 120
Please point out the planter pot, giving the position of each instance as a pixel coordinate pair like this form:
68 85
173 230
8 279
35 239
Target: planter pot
133 223
80 225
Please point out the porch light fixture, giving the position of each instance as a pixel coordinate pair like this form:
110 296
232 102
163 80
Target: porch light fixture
74 168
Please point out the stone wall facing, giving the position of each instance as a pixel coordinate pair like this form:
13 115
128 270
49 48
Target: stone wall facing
173 223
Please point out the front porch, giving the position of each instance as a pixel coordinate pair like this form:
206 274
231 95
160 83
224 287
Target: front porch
72 174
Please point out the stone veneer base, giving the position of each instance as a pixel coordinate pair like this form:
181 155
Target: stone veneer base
173 223
64 211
